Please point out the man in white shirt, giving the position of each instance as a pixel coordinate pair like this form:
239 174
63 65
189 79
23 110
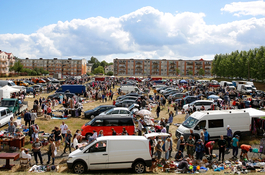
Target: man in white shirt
25 154
64 129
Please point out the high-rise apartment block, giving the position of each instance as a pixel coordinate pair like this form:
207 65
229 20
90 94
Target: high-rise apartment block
6 60
73 67
144 67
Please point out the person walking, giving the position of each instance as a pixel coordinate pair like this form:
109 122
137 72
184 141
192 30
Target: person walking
181 144
27 118
229 137
235 146
158 111
51 151
167 148
68 137
221 144
36 146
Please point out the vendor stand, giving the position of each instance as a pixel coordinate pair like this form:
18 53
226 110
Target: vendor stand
13 141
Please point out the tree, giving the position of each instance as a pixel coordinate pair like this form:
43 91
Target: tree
110 63
103 63
177 71
18 67
98 70
190 72
201 71
110 73
95 62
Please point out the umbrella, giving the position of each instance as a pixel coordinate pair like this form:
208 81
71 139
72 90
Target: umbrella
144 112
213 97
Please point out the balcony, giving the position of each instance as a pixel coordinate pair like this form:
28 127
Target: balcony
12 60
138 63
189 63
139 67
122 66
198 63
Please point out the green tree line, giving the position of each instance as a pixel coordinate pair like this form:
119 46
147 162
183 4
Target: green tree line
18 68
99 67
243 64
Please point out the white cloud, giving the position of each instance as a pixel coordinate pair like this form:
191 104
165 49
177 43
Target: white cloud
253 8
144 33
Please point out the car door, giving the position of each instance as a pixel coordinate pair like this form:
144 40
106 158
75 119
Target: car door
207 105
102 109
97 156
125 113
115 113
4 117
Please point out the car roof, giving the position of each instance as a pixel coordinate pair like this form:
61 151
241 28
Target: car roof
121 108
1 108
112 117
122 137
106 106
203 101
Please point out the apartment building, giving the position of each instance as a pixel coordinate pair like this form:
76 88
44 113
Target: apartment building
89 67
144 67
6 60
74 67
109 68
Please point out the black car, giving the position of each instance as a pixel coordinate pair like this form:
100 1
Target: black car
127 98
57 95
125 103
96 111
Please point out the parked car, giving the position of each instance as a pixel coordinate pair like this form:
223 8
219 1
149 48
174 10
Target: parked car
199 103
29 82
117 112
29 90
190 99
125 103
112 152
96 111
128 98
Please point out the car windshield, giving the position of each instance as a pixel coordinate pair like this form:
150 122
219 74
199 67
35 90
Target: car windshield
7 103
109 111
95 109
248 88
12 83
91 143
90 122
190 122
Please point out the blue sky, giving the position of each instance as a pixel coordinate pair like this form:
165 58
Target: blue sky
136 28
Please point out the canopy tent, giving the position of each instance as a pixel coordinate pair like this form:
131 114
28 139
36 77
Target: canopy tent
10 89
215 97
183 81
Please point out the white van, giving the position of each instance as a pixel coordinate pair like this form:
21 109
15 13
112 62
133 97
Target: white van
251 84
112 152
244 89
5 115
129 89
216 123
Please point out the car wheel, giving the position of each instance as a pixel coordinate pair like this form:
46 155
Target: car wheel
92 116
139 167
79 168
88 135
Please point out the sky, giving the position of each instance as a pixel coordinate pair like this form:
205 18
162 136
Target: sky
139 29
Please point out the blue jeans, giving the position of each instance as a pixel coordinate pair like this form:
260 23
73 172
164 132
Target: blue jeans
49 158
167 155
235 151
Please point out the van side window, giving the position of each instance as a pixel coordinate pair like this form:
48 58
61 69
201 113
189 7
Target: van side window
200 125
216 123
3 112
111 122
98 147
98 123
125 122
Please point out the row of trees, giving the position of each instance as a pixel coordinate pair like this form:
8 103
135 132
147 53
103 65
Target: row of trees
243 64
99 67
18 68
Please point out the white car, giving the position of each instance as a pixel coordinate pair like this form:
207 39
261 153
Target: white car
112 152
199 103
115 112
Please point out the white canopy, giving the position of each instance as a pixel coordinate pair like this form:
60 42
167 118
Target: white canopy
10 89
156 134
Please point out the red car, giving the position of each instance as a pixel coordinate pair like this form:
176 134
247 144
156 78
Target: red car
214 85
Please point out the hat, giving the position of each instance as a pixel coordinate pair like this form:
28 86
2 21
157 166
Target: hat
236 136
228 126
200 140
